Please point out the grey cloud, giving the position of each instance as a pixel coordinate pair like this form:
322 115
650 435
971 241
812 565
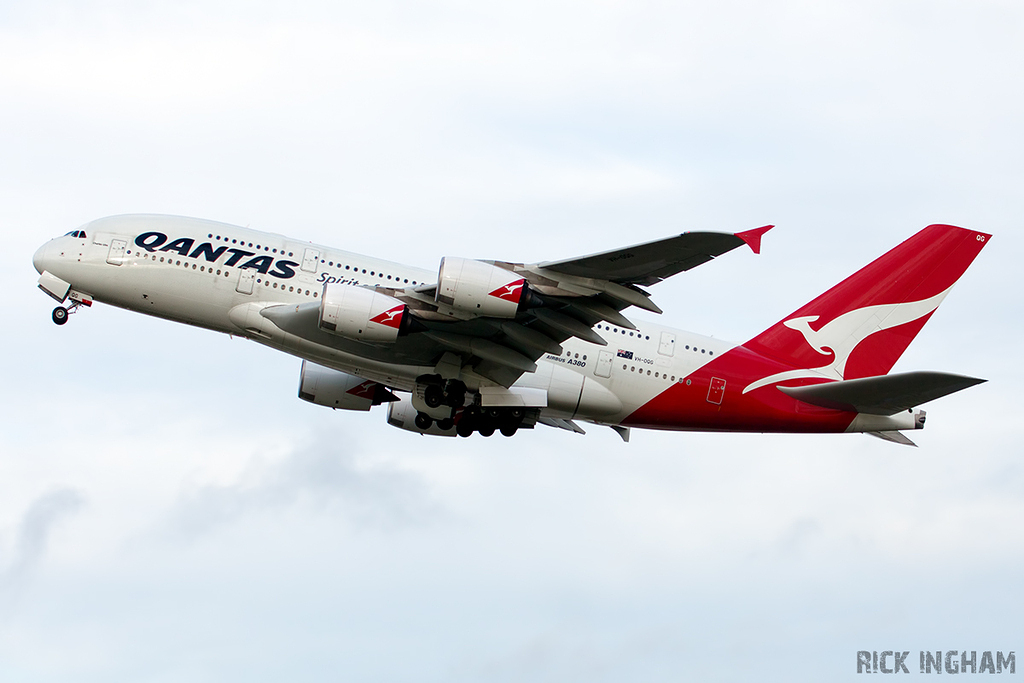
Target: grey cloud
33 534
320 475
798 536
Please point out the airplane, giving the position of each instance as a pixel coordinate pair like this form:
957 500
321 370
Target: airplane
483 346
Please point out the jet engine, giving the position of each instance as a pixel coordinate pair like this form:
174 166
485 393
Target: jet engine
340 390
362 314
480 288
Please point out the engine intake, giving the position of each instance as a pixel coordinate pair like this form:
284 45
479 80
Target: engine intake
480 288
362 314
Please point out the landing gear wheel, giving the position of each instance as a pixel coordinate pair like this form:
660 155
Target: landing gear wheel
423 421
60 315
464 428
433 396
445 424
486 429
455 398
510 421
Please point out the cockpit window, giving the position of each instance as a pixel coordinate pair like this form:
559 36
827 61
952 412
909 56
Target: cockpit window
76 233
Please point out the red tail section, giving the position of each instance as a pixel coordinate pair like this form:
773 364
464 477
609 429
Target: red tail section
860 327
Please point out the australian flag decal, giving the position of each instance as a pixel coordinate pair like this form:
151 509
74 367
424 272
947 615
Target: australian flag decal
628 355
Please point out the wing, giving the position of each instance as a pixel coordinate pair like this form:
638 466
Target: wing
652 262
565 299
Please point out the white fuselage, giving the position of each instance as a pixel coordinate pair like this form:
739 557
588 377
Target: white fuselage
220 276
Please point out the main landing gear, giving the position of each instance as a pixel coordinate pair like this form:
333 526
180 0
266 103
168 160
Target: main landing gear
451 394
477 419
487 420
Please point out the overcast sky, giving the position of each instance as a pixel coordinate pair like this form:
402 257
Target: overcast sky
170 511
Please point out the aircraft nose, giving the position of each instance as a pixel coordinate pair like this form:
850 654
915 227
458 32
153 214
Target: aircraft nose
39 258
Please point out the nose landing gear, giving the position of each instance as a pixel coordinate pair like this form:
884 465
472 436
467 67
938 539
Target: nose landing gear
60 314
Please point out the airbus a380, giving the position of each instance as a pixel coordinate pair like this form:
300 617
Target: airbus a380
479 346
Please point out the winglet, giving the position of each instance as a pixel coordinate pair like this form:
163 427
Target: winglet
753 237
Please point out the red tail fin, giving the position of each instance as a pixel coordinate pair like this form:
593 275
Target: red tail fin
861 327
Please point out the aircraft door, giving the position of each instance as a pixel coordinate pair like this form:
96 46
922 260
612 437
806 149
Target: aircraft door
604 364
667 347
716 391
310 260
246 278
115 256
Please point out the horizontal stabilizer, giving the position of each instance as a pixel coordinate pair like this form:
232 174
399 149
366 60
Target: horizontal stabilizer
884 394
894 436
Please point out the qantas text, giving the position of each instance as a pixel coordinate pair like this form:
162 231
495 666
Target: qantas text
185 246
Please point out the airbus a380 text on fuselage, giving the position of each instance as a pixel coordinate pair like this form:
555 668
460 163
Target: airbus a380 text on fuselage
480 346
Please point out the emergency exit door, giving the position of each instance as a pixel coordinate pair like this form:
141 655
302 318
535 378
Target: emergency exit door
115 256
310 260
716 391
246 278
667 345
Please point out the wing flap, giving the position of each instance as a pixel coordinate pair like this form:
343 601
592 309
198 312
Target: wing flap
884 394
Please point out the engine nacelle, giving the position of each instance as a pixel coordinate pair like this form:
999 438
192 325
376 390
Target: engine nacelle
480 288
401 414
340 390
361 314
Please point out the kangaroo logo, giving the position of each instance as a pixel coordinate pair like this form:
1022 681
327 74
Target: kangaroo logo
510 292
364 390
841 335
390 318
